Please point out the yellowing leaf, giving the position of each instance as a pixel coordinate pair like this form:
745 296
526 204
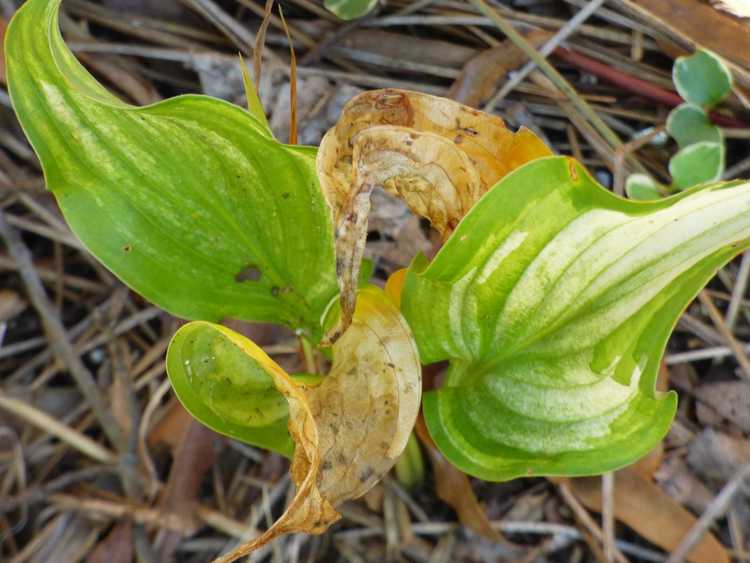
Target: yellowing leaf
395 285
439 156
347 431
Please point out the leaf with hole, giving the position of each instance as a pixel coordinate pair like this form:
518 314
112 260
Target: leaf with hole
190 201
702 78
553 300
345 432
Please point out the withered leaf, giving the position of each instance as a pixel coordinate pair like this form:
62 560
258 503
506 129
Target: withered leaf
116 547
350 429
699 24
454 488
648 510
439 156
480 75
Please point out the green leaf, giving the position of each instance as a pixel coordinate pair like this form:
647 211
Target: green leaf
350 9
191 202
688 124
226 387
254 105
697 164
642 187
553 301
702 78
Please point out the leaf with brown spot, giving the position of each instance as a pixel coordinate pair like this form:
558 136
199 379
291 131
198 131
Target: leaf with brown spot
439 156
347 431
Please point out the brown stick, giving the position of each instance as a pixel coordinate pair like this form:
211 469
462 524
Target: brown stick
637 85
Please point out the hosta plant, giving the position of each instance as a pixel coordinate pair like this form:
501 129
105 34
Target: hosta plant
551 299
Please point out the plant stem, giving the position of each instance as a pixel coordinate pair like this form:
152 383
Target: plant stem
410 465
309 354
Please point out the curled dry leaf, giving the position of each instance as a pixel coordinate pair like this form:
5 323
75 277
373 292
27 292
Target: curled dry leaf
348 431
439 156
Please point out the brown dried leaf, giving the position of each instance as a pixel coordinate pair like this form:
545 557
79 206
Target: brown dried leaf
680 483
260 42
117 547
439 156
648 510
454 489
730 399
192 458
350 429
699 25
170 427
716 456
480 75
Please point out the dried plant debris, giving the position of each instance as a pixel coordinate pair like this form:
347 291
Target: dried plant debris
647 509
439 156
730 399
348 430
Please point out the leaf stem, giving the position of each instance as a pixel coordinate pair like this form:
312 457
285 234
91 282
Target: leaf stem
311 365
410 465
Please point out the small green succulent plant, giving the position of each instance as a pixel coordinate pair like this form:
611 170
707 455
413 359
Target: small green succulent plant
704 81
